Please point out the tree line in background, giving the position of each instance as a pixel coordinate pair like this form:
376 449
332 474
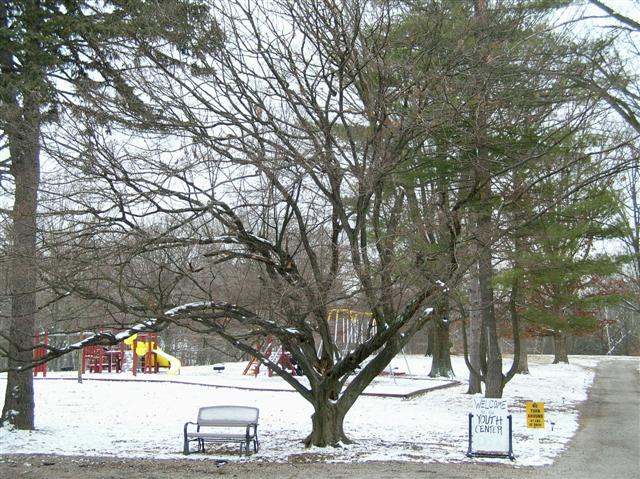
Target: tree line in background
240 170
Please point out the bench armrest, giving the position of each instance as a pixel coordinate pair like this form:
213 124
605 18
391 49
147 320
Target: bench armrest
186 426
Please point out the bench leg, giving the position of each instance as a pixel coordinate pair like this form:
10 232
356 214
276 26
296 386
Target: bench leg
185 449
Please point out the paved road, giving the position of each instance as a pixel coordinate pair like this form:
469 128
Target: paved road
607 446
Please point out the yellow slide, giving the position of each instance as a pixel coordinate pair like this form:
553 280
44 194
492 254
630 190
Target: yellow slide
166 360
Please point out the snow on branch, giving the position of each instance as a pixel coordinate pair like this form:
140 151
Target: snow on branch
206 312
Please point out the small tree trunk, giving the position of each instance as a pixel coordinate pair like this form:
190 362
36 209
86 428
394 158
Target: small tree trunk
79 355
523 364
520 347
441 358
430 342
560 347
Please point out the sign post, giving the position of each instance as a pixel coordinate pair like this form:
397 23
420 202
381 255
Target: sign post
490 429
535 420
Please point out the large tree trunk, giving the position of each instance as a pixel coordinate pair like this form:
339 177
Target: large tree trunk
441 357
331 401
493 377
475 332
560 347
23 134
327 423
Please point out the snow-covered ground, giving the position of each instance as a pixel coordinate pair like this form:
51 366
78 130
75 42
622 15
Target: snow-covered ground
143 417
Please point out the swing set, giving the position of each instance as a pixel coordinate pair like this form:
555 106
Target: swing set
350 329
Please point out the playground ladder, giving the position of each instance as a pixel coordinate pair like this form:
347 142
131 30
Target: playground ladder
253 367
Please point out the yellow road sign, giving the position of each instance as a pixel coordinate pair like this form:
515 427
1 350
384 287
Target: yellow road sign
535 415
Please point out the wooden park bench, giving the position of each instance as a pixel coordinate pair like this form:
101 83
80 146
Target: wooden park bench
220 424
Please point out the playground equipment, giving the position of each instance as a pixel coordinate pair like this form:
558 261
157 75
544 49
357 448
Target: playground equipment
350 328
39 352
276 355
143 347
99 358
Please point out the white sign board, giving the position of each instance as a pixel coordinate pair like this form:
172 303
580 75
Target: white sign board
489 427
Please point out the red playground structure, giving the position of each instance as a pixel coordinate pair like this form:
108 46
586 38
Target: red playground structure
40 352
279 356
100 358
141 349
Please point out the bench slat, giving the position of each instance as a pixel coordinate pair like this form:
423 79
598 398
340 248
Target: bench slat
215 436
240 415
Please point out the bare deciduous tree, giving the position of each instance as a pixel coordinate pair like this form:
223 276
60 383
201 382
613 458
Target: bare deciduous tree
281 155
